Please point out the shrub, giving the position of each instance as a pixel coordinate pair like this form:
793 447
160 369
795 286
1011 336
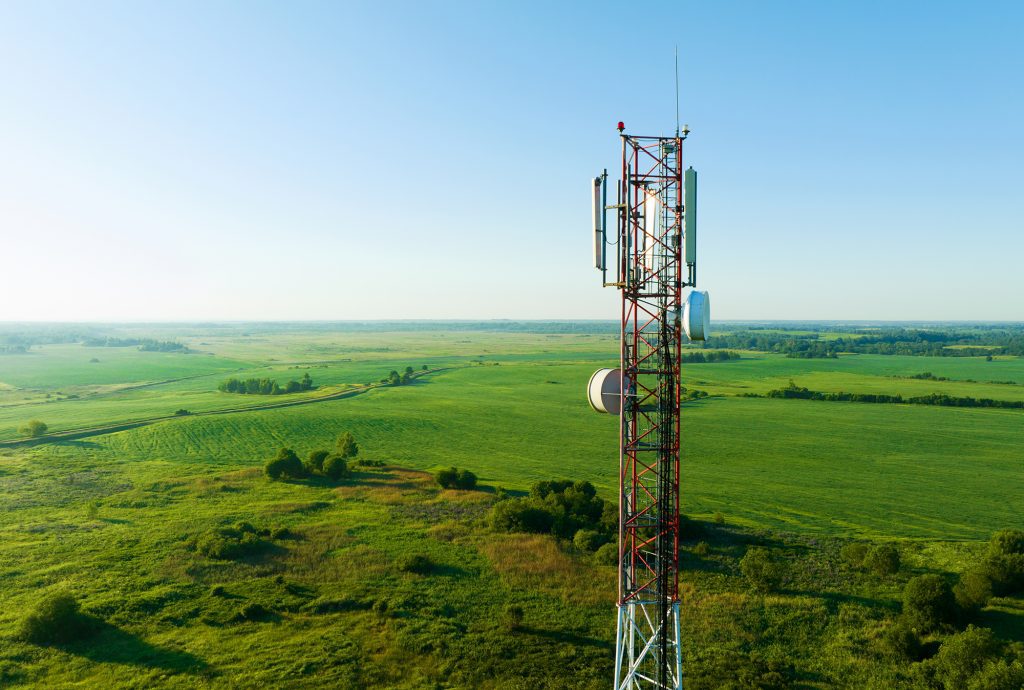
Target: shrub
285 464
900 642
963 655
927 602
607 554
513 617
228 543
34 428
589 540
56 619
253 611
182 412
1006 571
447 479
1007 541
853 554
999 675
718 518
520 515
883 560
417 563
335 467
701 549
315 463
347 446
762 572
973 591
466 480
217 591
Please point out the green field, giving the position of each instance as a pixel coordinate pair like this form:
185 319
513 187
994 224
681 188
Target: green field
109 516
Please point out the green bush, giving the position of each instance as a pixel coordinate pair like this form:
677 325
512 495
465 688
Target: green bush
34 428
963 656
589 540
56 619
702 549
454 478
335 467
973 591
1007 541
347 446
900 642
229 543
761 570
466 480
520 515
448 478
999 675
253 611
416 563
285 464
1006 571
853 554
607 554
928 602
315 463
882 560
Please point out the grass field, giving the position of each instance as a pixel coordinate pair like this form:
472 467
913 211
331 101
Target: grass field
110 516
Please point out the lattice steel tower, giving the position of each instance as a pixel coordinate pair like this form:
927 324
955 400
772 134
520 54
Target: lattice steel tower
655 262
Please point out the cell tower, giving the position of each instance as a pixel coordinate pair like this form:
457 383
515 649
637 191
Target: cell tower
655 262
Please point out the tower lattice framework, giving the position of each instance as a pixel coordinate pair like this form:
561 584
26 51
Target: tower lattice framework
652 275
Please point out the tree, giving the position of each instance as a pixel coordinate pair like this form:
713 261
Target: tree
963 656
928 602
347 446
973 591
315 463
408 370
589 540
335 467
760 569
34 428
466 480
519 515
394 378
447 478
285 464
883 560
307 382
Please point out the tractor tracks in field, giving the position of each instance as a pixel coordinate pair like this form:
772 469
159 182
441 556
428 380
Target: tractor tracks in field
76 434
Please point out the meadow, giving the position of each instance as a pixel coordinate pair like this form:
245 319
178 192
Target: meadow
112 517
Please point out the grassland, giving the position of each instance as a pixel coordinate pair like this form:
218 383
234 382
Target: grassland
110 516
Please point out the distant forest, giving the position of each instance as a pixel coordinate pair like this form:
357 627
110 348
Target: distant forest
952 341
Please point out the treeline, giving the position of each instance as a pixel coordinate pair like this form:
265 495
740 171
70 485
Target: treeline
396 379
144 344
941 342
265 386
710 356
14 349
941 399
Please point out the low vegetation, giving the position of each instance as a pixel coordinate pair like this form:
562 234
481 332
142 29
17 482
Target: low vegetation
265 386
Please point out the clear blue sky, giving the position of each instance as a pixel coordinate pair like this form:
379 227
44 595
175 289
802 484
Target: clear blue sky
170 161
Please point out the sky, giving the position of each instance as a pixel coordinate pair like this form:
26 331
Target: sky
368 160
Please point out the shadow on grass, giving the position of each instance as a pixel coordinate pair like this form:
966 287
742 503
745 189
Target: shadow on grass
78 444
112 645
568 638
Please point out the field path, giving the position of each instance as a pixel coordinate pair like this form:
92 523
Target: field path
74 434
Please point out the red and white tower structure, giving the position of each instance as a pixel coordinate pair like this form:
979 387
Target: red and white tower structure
654 245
